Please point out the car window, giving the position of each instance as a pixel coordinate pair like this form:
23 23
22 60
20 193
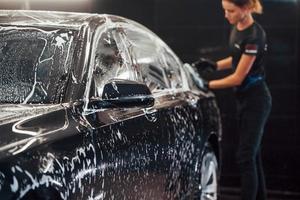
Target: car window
156 63
111 61
34 64
172 68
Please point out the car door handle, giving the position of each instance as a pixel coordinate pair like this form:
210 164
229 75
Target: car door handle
150 114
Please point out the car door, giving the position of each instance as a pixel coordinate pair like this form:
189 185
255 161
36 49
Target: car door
178 110
126 138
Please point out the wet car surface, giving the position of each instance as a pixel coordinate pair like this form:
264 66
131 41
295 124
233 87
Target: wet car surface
98 107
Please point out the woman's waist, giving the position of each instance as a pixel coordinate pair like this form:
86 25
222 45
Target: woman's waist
255 89
250 81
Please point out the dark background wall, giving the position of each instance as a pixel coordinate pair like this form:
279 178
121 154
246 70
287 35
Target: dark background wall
194 28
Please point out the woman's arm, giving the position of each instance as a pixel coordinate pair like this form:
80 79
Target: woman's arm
225 63
238 76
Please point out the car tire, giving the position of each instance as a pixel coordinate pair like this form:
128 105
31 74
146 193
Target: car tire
206 177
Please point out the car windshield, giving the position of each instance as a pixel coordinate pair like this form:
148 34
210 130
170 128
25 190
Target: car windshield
34 64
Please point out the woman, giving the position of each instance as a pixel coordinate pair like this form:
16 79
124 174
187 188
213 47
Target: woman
248 48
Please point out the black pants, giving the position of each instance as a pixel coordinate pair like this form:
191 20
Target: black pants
254 106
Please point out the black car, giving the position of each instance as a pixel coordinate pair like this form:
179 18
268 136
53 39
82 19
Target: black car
98 107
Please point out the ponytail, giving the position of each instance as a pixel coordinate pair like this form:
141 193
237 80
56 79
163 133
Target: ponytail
256 6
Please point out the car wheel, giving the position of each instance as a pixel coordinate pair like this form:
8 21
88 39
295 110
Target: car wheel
207 175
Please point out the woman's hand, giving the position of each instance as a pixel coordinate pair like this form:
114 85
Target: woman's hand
204 64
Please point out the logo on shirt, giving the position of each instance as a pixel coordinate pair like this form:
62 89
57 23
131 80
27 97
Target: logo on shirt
237 46
251 48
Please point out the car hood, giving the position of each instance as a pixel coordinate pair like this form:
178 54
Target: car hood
18 123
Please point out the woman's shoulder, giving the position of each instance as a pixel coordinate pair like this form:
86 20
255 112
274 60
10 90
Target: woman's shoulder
256 32
258 28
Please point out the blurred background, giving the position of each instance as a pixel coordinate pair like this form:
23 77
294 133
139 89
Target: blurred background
197 28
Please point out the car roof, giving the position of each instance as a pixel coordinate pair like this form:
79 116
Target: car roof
71 20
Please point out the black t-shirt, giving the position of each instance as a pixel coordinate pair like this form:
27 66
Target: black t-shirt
251 41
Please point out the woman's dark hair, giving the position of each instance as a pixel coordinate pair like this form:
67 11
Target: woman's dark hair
255 5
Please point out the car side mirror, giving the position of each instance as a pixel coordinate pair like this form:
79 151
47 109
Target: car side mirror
124 94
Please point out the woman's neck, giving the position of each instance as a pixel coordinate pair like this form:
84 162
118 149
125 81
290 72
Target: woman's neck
245 22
